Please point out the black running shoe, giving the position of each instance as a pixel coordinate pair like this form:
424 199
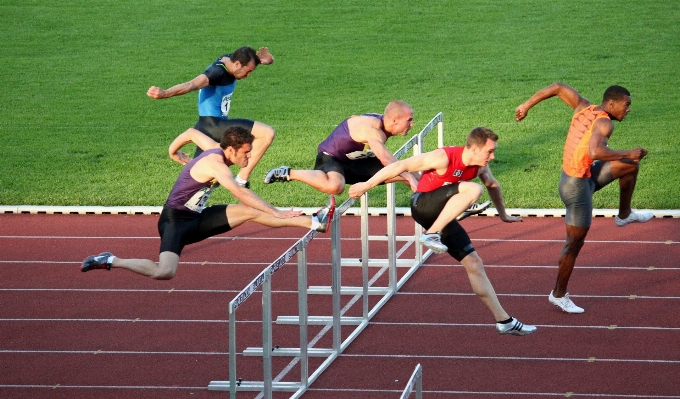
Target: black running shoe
100 261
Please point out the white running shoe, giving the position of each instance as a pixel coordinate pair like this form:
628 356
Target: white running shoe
434 242
280 174
474 209
565 303
639 217
515 327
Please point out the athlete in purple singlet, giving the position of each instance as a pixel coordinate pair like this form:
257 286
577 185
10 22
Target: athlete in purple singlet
343 157
185 219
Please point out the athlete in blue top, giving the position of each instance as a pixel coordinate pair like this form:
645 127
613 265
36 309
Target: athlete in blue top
185 219
216 85
342 158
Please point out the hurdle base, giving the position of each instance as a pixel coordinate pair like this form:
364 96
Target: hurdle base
347 290
320 320
255 386
292 352
375 262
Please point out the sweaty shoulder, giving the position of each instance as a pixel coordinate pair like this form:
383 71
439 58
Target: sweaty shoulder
365 127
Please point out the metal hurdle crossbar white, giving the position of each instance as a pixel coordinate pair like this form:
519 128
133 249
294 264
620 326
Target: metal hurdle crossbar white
416 381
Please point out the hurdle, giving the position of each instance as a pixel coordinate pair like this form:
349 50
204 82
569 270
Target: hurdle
267 386
416 381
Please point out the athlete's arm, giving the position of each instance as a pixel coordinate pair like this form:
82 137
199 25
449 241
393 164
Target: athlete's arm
376 142
214 167
494 189
196 83
599 150
436 159
191 135
566 93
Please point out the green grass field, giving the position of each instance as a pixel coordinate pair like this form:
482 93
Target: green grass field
78 129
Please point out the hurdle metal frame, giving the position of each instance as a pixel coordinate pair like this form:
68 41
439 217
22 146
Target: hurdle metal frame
268 386
416 381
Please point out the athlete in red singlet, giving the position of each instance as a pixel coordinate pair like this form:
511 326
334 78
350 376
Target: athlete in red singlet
444 192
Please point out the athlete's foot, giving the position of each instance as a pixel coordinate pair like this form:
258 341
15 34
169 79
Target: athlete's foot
325 215
514 327
101 261
280 174
474 209
639 217
434 242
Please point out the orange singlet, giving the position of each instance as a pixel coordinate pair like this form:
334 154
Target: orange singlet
576 161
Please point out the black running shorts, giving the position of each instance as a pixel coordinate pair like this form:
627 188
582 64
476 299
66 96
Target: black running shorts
426 207
179 228
214 127
356 171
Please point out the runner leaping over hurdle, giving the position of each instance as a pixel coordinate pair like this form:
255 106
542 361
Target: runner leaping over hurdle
444 192
343 157
186 220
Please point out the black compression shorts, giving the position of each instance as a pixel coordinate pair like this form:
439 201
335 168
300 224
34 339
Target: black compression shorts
426 207
179 228
214 127
355 171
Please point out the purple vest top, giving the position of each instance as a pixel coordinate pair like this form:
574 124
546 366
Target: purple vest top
339 143
187 194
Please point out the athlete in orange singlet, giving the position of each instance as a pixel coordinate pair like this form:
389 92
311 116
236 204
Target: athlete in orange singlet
588 165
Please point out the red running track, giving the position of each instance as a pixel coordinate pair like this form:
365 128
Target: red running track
67 334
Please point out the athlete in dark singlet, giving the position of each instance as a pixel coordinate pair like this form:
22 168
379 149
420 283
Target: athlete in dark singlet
216 85
588 164
185 219
342 158
444 192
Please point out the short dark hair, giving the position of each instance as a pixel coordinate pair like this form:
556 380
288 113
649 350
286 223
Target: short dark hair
479 135
615 93
244 55
235 137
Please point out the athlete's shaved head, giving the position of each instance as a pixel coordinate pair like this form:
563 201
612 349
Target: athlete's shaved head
397 107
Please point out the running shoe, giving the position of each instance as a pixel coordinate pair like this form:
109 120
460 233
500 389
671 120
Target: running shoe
434 242
565 303
639 217
276 175
474 209
515 327
325 215
100 261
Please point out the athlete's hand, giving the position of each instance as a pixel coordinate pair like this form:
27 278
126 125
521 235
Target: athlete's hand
637 154
265 56
521 112
180 157
291 213
357 190
155 92
509 219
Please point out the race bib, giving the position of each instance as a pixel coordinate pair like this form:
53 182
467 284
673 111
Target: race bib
197 201
360 155
226 103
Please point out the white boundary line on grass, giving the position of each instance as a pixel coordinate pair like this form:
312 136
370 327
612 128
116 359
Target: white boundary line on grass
401 211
